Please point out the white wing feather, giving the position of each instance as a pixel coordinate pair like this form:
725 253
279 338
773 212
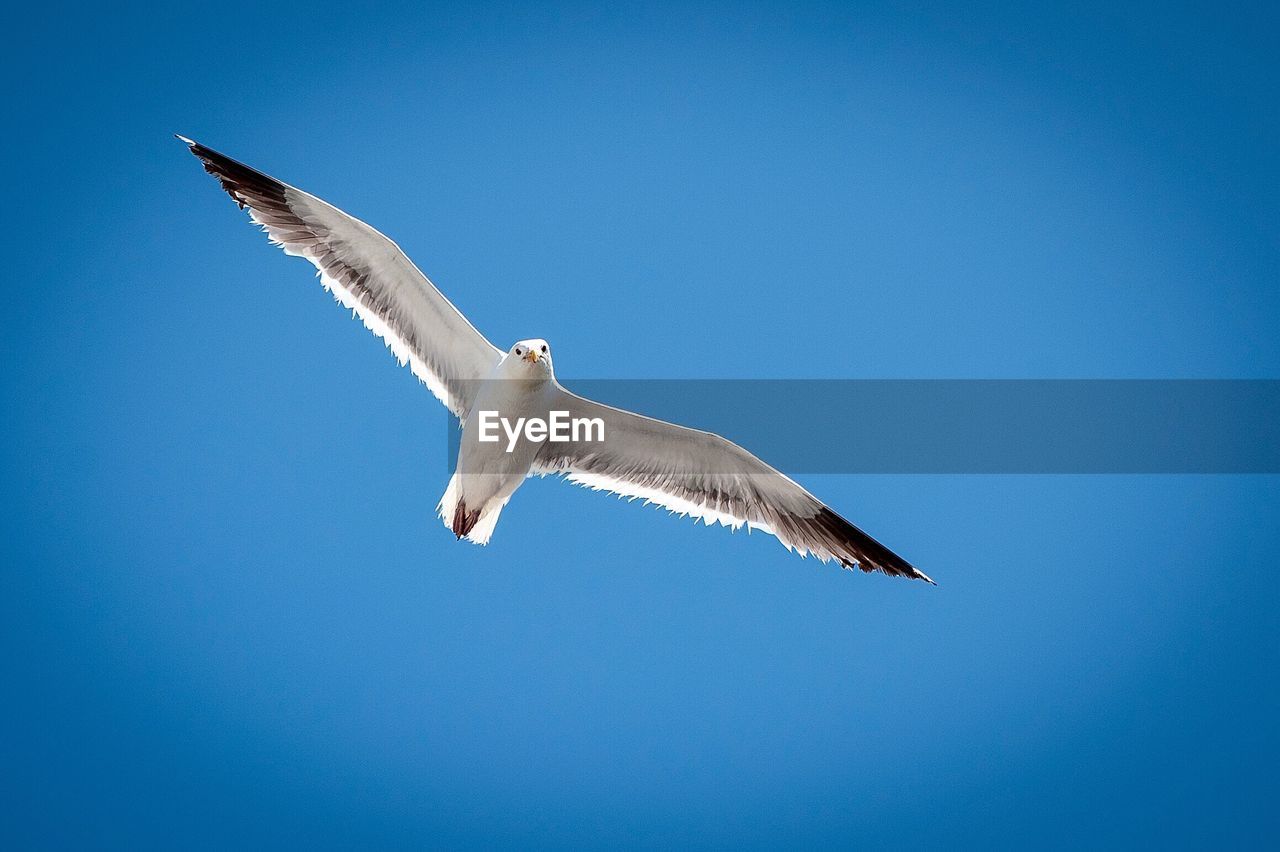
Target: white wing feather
369 274
705 476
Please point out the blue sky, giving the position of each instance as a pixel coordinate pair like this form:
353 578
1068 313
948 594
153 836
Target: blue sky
230 615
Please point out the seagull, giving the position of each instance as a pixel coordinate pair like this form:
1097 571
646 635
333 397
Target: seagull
687 471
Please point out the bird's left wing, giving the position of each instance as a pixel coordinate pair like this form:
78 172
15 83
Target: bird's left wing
369 274
701 474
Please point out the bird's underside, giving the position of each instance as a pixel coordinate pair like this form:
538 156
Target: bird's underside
684 470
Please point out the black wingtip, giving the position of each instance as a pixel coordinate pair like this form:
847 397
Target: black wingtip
869 554
245 184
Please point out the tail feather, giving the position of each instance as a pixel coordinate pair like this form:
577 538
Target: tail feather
475 525
483 528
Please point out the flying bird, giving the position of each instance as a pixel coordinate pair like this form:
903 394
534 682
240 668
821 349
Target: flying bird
685 470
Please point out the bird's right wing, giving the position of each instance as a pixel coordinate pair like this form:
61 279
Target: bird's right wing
701 474
369 274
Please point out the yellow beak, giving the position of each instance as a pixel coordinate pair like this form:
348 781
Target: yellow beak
531 357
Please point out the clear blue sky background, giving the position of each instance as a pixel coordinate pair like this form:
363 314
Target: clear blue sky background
229 615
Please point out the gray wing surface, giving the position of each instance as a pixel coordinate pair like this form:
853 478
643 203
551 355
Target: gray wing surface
369 274
701 474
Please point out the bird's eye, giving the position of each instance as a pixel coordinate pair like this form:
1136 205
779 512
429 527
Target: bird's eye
517 351
544 347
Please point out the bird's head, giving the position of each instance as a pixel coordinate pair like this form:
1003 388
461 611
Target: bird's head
533 355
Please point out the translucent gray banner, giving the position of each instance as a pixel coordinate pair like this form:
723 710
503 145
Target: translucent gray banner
970 426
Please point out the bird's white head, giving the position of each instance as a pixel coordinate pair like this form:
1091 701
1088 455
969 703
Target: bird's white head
533 357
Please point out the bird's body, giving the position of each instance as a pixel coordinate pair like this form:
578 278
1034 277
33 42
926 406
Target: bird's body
687 471
489 472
